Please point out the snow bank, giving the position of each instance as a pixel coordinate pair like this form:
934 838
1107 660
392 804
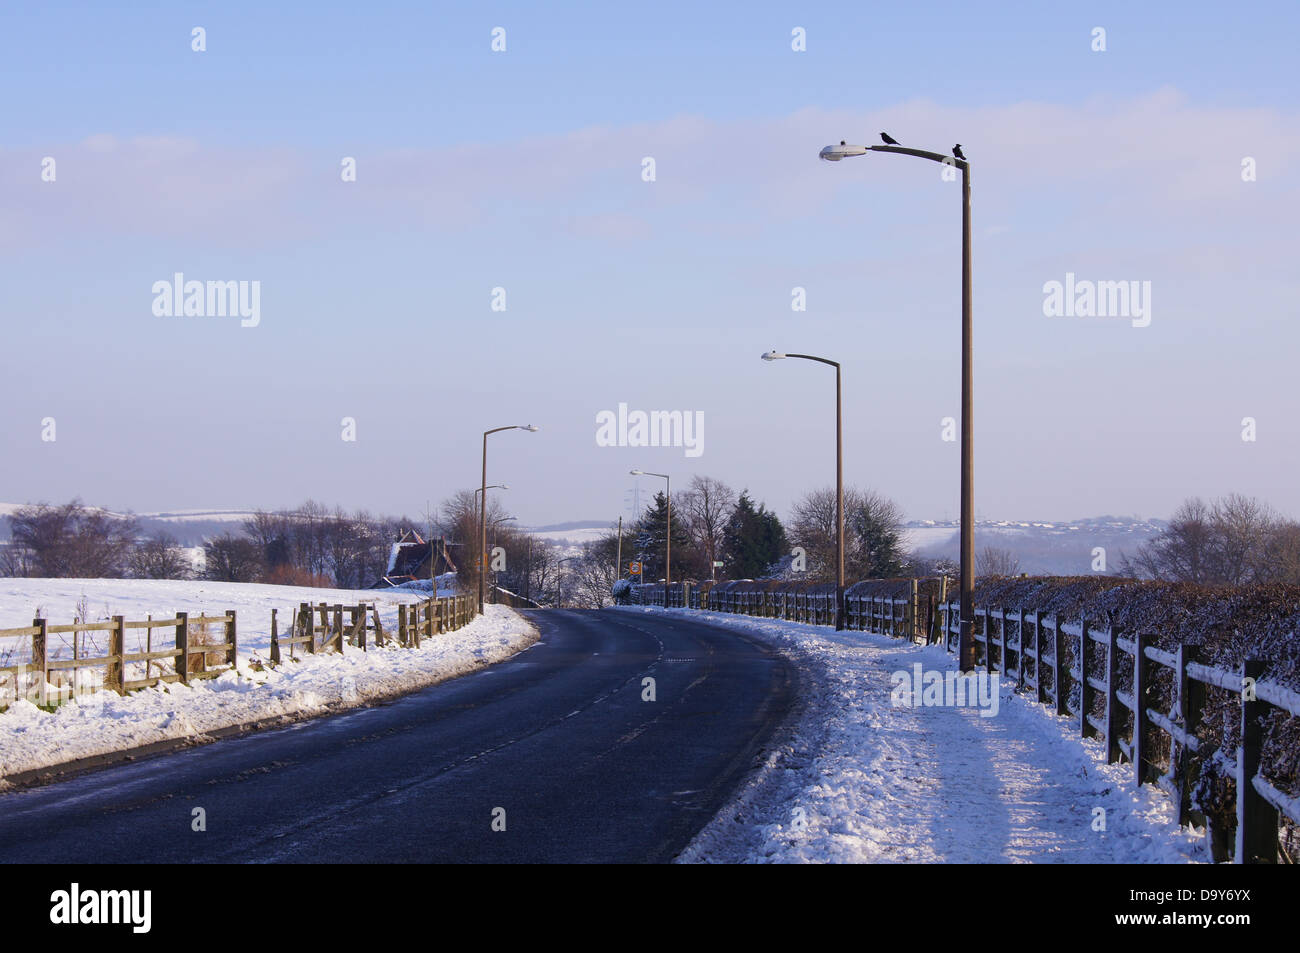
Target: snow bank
104 722
855 779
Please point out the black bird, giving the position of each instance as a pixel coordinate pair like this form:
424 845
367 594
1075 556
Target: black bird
889 140
956 150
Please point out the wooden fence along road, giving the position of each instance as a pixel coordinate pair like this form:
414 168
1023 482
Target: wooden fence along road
1143 703
204 646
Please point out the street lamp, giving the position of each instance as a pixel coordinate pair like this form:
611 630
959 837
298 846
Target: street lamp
966 643
668 554
839 479
482 513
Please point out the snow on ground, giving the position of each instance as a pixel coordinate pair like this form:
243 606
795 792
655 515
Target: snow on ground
856 779
56 600
103 722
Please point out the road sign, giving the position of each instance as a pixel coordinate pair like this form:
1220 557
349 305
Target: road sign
634 568
717 564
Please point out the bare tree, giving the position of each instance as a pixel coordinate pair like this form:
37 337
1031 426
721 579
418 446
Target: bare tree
73 541
231 558
873 543
1235 540
159 557
705 506
996 561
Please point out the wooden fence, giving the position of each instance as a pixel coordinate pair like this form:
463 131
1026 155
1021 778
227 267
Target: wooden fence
321 628
1143 703
193 655
189 655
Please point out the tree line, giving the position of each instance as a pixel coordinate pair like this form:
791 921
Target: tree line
1233 540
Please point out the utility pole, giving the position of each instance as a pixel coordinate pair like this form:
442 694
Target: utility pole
618 560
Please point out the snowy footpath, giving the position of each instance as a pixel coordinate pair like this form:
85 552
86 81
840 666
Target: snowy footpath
103 722
864 775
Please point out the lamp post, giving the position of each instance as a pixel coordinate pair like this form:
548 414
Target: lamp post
839 478
494 486
482 513
966 640
668 535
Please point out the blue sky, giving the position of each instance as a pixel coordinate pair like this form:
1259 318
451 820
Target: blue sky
522 170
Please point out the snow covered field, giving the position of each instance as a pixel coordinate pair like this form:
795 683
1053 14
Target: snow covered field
856 779
57 600
104 722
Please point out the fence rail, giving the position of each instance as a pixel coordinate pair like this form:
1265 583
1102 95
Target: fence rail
1143 703
194 654
189 655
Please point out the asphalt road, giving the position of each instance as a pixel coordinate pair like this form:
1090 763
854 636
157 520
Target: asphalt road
559 737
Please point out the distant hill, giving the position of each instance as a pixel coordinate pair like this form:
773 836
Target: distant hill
1044 547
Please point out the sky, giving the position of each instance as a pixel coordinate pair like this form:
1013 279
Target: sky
519 177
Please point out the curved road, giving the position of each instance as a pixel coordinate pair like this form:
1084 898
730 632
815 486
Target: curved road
558 736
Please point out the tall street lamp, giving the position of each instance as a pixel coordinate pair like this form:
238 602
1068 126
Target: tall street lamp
967 639
839 479
482 513
494 486
668 502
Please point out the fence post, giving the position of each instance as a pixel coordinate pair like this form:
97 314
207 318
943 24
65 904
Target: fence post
1058 667
38 661
275 641
988 638
232 639
1188 704
415 631
916 606
115 676
1020 649
379 626
336 634
1256 818
308 616
182 662
1002 655
1039 693
1084 698
1112 695
401 624
1140 724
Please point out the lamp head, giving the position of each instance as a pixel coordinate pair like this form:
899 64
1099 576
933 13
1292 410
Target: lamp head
531 428
842 151
772 356
636 472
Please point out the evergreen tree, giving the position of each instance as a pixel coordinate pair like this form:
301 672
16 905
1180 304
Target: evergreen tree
651 534
753 539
